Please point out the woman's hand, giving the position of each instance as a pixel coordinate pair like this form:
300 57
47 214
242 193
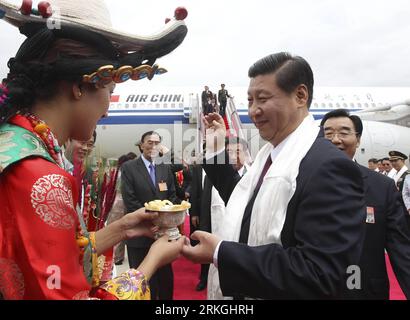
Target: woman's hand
161 253
139 223
134 224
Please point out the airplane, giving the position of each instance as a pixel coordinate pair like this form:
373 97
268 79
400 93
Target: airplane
174 112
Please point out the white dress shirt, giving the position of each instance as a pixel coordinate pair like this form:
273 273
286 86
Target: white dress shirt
406 192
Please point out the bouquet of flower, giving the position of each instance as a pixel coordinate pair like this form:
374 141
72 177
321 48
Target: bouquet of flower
99 179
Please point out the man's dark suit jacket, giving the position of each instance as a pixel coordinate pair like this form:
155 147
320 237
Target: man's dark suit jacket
201 199
322 235
389 231
137 188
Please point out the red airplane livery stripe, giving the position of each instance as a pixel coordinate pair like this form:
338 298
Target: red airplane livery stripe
115 98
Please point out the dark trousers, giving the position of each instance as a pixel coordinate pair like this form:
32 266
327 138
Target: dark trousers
222 108
408 221
192 229
161 282
203 276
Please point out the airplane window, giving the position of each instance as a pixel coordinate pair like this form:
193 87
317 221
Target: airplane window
323 105
127 106
165 105
373 104
181 105
352 105
337 105
158 105
366 105
134 106
330 105
315 105
359 105
345 105
173 105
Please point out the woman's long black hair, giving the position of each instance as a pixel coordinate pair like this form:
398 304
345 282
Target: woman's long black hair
48 56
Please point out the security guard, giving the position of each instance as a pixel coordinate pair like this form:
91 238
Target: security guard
397 160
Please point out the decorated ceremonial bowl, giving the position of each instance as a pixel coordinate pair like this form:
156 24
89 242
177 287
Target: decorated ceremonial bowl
170 216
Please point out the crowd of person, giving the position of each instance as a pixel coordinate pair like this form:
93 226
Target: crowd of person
290 225
395 168
213 103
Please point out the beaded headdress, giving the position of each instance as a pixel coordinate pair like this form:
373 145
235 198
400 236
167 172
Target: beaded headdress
133 55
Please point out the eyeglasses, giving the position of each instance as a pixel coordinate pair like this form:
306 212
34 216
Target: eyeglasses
342 134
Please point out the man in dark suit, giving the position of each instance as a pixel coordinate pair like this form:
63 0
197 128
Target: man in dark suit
142 181
202 195
386 227
200 199
206 98
321 233
223 96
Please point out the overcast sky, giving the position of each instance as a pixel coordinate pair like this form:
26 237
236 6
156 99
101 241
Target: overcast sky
347 42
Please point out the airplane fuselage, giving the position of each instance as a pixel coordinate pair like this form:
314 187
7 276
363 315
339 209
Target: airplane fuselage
174 112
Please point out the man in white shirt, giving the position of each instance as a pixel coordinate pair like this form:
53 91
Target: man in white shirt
294 221
388 169
406 196
397 160
208 208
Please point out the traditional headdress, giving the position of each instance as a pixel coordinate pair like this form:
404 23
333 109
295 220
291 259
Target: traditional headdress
131 56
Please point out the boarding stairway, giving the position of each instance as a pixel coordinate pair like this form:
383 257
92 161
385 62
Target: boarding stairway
232 121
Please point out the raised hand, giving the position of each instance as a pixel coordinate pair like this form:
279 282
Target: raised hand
215 132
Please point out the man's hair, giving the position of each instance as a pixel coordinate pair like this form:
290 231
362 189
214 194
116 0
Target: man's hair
122 160
291 71
373 160
385 159
342 113
131 155
236 140
150 133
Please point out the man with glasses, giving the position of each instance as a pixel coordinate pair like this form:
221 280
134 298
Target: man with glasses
380 168
386 226
76 151
143 180
406 197
388 169
293 223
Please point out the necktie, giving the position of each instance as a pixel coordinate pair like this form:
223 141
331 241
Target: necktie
152 173
246 220
244 171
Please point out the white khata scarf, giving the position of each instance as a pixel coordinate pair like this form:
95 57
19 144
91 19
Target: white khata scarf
278 187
